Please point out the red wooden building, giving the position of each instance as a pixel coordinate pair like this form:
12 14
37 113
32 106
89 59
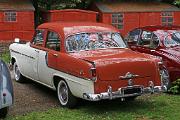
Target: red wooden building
128 15
69 15
16 19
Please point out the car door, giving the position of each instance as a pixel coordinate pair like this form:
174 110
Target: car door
48 58
36 46
53 44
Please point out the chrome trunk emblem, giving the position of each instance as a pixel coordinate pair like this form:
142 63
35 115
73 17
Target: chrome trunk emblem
128 76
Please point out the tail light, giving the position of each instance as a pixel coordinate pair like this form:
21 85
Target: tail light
93 74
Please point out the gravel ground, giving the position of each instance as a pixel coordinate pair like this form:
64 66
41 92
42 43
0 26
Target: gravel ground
31 96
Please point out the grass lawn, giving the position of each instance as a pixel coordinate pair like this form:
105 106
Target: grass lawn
5 57
155 107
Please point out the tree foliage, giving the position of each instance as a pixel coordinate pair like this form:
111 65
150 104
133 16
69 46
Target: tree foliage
60 4
177 2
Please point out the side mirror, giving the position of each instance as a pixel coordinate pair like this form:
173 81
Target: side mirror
16 40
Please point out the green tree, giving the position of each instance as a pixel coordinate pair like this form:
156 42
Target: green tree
177 2
56 4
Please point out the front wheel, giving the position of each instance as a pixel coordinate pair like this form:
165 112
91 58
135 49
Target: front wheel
17 74
65 96
3 112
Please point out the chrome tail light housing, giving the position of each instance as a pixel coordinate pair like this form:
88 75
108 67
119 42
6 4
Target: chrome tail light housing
165 81
93 74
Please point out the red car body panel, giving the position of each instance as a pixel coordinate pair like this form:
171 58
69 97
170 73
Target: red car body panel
112 63
170 55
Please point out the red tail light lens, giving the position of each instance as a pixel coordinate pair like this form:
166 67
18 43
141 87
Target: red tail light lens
93 74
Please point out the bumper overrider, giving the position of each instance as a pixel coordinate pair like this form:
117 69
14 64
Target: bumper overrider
124 92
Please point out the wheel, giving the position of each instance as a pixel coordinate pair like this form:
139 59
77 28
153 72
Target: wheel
65 96
17 74
3 112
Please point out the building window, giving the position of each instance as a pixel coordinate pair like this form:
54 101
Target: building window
117 20
167 18
10 16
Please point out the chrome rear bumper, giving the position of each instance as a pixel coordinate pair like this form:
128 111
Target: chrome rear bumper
124 92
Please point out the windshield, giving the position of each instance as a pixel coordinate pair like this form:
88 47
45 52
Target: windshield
172 39
93 41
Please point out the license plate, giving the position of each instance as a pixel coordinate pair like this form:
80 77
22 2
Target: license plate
131 90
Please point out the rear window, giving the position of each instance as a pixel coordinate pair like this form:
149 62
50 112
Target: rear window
92 41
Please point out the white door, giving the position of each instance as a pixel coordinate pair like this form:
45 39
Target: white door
33 55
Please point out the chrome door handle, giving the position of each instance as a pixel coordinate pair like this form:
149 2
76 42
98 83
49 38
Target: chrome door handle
56 55
133 47
153 50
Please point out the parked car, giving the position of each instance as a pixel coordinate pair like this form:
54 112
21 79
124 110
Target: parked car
159 41
6 89
86 60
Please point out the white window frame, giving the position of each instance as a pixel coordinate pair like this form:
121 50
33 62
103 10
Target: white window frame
167 15
118 16
10 16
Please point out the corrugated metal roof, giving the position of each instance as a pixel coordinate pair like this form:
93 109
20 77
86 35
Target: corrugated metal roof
18 5
109 7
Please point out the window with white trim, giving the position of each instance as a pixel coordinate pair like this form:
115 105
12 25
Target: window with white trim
10 16
118 20
167 18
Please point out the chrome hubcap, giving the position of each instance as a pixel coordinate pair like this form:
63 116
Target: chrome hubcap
16 73
63 92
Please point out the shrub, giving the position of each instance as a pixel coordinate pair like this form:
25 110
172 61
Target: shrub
175 88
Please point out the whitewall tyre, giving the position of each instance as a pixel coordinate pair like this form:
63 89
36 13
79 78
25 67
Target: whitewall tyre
17 74
65 96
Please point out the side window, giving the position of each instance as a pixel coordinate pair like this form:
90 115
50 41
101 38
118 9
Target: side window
53 41
155 41
38 38
176 37
146 37
133 36
149 40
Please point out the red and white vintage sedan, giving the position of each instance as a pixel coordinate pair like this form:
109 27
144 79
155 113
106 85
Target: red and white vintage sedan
163 41
86 60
